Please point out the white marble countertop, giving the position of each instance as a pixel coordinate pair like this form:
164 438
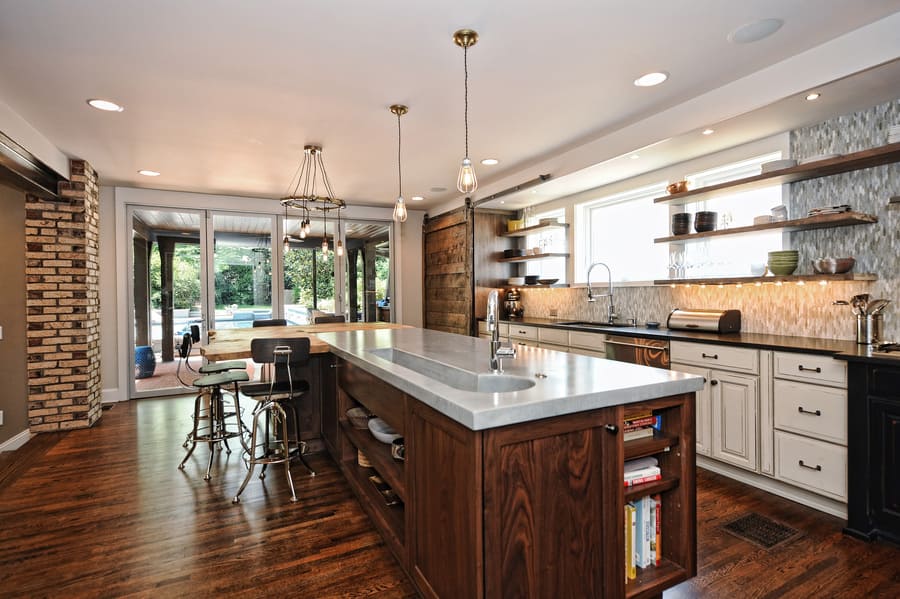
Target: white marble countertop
439 367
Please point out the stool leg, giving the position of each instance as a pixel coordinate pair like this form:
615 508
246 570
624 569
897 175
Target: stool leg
299 441
215 402
285 440
193 434
251 464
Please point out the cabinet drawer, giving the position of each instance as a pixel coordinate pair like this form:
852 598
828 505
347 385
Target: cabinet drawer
553 346
824 370
378 397
483 329
587 352
740 359
811 410
555 336
591 341
522 331
524 342
815 465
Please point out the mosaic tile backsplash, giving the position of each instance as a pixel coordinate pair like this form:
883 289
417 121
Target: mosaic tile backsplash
790 309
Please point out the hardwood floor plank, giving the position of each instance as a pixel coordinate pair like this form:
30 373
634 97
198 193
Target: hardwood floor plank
105 513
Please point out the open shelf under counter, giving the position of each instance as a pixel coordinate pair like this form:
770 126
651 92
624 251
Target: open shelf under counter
379 454
825 221
639 448
392 517
849 276
534 229
533 257
649 581
651 488
881 155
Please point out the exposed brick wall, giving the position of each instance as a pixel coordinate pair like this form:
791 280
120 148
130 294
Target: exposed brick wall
62 273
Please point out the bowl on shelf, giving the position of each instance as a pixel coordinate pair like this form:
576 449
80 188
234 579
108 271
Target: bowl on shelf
681 223
705 221
513 253
677 187
833 266
358 417
514 224
531 279
783 262
547 281
516 281
382 431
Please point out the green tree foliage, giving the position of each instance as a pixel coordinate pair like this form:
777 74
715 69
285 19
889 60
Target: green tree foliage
298 271
185 274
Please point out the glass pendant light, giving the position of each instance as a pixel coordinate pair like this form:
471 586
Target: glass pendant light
287 240
324 234
338 244
400 213
466 181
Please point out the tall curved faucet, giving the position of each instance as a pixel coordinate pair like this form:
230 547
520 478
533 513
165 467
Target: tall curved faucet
611 310
498 351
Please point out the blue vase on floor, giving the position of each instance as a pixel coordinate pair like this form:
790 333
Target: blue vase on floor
144 362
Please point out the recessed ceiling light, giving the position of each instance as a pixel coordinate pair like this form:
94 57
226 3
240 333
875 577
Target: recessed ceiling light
148 173
490 161
635 156
813 96
651 79
417 198
755 31
438 189
708 131
106 105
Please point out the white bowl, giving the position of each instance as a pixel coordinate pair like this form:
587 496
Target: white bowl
516 281
382 431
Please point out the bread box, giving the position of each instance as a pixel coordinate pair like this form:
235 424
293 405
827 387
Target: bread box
715 321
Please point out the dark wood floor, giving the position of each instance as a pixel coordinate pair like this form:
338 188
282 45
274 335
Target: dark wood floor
105 513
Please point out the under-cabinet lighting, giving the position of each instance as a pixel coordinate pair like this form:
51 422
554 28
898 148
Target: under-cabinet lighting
801 283
823 283
758 284
739 285
778 283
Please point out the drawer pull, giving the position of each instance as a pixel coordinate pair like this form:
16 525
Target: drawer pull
334 365
523 332
817 467
712 356
714 382
802 411
802 368
612 428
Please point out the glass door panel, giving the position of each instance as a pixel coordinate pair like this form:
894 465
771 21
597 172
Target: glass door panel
242 269
309 281
367 268
166 293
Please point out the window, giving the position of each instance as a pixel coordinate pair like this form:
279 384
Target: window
619 230
551 241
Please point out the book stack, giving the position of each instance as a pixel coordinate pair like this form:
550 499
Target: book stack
642 470
641 425
894 134
643 534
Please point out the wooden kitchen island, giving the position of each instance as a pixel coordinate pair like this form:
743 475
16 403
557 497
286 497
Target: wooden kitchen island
512 493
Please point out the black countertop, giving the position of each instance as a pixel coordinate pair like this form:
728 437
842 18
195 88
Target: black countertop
840 348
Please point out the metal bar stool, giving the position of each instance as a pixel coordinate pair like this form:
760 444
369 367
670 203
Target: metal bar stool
276 404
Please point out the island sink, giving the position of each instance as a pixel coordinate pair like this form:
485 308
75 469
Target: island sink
464 380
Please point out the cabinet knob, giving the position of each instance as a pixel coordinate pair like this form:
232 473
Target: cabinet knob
711 356
612 428
714 382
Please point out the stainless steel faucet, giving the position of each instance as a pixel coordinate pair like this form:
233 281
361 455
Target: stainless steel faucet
611 310
498 351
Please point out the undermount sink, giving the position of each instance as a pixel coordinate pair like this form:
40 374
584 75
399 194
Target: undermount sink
476 382
584 323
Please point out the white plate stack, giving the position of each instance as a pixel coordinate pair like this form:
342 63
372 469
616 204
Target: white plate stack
894 134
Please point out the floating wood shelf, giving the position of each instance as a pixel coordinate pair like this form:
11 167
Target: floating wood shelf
650 580
532 257
850 276
824 221
534 229
881 155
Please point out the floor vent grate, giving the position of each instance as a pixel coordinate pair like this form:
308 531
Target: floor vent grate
761 531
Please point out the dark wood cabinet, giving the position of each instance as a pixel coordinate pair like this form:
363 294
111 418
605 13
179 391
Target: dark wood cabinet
527 510
873 450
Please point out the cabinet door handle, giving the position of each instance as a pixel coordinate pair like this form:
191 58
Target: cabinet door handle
817 467
802 368
612 428
334 365
714 382
711 356
802 411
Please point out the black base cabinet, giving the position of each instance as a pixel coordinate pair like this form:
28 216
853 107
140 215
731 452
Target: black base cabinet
873 506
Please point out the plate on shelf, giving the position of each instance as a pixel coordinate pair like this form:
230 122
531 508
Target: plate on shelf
819 157
382 431
547 281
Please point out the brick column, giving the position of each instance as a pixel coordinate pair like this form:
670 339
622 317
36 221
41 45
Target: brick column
62 272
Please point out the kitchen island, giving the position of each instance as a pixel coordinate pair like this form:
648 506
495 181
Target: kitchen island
512 484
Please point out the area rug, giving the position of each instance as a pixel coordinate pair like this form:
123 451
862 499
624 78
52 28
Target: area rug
761 531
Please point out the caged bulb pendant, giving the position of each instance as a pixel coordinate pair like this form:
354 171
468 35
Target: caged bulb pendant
400 213
466 181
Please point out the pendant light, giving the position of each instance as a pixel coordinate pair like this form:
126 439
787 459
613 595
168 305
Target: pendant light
325 235
338 245
308 180
466 182
400 213
287 240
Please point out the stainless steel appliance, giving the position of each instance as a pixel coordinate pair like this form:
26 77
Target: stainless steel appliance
716 321
513 304
636 350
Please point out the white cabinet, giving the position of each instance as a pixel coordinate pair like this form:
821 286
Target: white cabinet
734 399
702 408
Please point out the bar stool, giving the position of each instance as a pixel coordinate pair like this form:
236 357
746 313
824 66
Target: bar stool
276 403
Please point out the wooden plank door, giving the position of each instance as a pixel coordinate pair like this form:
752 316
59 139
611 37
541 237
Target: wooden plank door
448 278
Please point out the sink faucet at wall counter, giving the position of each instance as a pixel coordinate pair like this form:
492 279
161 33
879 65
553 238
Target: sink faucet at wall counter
493 324
611 310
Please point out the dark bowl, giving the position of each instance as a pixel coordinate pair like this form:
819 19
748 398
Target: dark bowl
531 279
705 221
681 228
513 253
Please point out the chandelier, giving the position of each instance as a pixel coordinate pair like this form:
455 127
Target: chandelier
309 191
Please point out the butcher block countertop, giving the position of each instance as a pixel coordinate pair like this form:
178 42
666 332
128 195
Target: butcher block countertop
234 344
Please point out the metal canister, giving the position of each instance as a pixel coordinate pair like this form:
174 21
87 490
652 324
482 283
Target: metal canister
869 328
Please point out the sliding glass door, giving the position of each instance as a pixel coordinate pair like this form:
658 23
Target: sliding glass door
367 268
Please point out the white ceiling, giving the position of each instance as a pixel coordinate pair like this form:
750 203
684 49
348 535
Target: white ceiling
222 96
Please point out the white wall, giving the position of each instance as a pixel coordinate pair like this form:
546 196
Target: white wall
115 236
